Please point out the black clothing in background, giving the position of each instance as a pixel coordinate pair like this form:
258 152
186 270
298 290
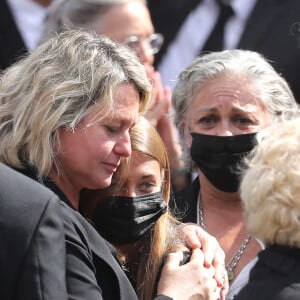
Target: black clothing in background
276 275
12 44
270 30
32 251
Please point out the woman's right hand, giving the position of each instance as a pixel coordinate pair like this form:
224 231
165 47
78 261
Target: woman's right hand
197 237
190 281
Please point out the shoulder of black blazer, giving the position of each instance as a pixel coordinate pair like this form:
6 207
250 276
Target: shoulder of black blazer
32 235
274 276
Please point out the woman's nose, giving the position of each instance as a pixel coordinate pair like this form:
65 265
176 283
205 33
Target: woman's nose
226 133
123 145
130 191
225 129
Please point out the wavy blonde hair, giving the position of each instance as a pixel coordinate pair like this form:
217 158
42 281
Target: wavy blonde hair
56 86
270 188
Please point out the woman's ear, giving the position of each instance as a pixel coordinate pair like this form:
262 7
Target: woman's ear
186 133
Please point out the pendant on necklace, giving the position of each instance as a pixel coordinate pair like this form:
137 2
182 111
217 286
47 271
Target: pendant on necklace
230 275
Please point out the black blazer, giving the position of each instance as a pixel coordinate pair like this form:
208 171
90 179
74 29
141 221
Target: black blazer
276 275
12 44
269 31
32 251
93 272
167 17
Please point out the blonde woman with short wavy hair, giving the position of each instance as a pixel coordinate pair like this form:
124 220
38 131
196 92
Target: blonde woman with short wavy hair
270 187
270 192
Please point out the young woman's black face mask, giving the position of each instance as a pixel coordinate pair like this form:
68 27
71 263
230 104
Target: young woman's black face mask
219 157
123 220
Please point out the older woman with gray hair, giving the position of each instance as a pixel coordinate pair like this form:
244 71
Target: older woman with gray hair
271 197
221 101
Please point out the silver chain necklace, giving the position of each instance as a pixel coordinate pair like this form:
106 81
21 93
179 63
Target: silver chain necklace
233 262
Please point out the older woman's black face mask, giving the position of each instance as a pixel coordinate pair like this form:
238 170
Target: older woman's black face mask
219 157
126 219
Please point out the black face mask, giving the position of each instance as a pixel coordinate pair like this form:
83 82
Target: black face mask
124 220
219 157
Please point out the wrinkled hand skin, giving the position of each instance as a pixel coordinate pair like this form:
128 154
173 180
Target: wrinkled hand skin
190 281
214 256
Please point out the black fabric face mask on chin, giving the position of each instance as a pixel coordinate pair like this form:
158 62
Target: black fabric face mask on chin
123 220
219 157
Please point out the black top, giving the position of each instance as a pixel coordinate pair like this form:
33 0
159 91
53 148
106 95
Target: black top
32 251
11 41
184 204
275 276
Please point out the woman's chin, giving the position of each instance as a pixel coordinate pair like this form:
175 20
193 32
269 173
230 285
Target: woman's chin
105 183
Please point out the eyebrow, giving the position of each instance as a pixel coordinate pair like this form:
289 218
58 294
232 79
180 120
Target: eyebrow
148 176
206 109
234 109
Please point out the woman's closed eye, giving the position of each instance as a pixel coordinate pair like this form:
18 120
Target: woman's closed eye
113 129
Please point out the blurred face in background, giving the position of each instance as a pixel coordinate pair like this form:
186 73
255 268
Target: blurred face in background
129 23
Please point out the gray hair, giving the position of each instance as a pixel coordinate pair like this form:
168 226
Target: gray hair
275 96
72 14
56 86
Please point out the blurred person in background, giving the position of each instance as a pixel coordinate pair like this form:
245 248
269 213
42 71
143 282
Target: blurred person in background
21 27
269 27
